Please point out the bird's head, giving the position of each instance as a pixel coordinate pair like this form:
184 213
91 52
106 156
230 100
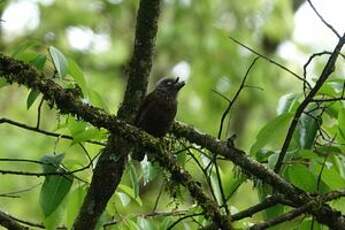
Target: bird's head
169 86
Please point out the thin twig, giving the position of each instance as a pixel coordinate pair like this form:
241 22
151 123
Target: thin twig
41 131
283 218
221 95
183 218
232 101
155 206
20 191
7 222
39 109
204 171
271 61
323 20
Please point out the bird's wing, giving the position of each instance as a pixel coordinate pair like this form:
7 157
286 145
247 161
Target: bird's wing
144 108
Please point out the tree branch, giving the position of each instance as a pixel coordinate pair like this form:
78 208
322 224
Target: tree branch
9 223
111 164
285 217
324 214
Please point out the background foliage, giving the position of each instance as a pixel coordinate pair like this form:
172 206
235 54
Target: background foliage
192 42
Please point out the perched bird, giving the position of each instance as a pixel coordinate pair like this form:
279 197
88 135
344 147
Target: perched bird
157 112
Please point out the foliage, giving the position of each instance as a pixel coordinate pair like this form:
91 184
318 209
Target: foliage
314 163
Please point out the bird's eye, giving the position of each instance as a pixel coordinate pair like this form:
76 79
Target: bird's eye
168 83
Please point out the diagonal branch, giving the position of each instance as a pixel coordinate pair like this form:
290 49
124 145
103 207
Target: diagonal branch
283 218
7 222
323 20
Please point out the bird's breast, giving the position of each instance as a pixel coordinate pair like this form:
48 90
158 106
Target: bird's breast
158 116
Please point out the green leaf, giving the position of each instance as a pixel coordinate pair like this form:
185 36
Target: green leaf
18 50
52 221
272 133
285 103
78 75
134 178
31 98
150 170
301 177
59 60
264 191
308 223
124 198
75 200
145 224
263 154
308 129
53 190
3 82
51 162
330 175
167 221
341 122
130 192
76 127
39 61
90 133
97 100
232 182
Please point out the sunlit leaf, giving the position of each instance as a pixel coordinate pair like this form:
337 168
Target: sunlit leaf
19 49
78 75
150 170
301 177
124 198
3 82
308 128
31 98
341 122
51 162
134 178
145 224
272 132
130 192
59 60
54 187
264 191
285 103
75 199
53 190
39 61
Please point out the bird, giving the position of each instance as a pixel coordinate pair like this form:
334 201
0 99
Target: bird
158 110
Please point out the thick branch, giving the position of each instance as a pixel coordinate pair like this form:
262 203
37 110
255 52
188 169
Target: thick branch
266 203
285 217
324 214
111 165
7 222
141 62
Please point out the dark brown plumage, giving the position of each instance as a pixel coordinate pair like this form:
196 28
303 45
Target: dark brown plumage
158 110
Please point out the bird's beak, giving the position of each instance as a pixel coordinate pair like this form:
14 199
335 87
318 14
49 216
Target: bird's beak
179 84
